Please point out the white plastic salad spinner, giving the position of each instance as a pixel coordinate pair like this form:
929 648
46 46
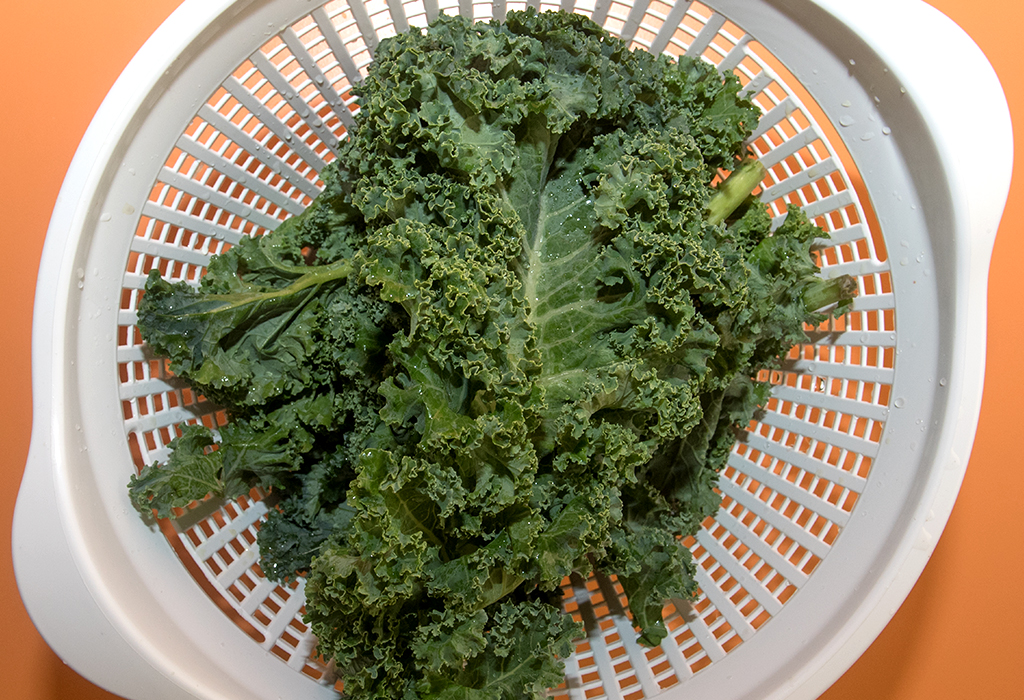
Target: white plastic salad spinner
881 118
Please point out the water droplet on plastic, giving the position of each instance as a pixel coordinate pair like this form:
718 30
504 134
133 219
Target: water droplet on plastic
319 80
886 130
904 261
942 382
899 402
846 120
80 273
105 216
131 171
847 103
864 338
852 62
867 136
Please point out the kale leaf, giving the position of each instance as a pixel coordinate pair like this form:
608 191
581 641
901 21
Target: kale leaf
513 339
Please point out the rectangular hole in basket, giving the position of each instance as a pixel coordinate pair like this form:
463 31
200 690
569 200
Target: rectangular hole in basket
762 571
236 592
632 682
667 679
620 665
314 672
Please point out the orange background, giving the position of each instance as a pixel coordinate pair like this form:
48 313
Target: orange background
958 635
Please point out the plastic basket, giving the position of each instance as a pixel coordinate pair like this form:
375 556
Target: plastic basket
832 504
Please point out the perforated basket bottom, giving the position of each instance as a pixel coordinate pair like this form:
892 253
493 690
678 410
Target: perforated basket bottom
250 158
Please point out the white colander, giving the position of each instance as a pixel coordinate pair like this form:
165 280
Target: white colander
882 119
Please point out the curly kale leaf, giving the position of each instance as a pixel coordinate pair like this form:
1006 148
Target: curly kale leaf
512 340
193 471
244 346
517 652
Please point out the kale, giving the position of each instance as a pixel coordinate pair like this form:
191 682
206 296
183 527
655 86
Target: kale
512 339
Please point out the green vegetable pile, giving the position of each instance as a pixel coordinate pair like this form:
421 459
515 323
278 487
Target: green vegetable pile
513 338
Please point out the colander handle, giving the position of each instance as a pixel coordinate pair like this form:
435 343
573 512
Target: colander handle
954 85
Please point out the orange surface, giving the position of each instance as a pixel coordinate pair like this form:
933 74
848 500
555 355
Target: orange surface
958 635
